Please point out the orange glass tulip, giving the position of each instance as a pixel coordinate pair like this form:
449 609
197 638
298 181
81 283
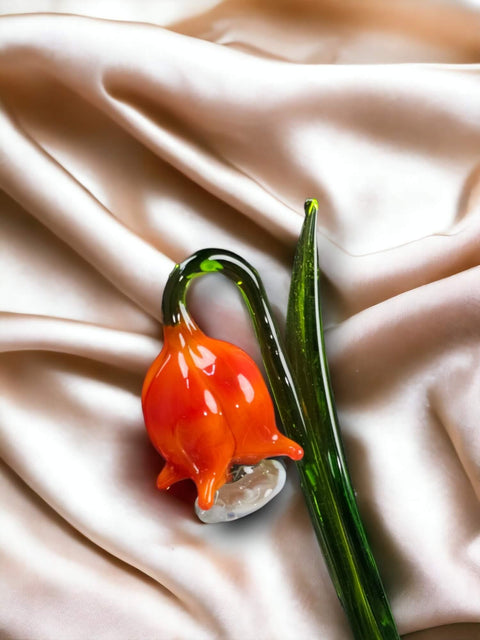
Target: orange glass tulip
207 408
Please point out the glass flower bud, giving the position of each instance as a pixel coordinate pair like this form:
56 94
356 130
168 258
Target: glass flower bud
207 408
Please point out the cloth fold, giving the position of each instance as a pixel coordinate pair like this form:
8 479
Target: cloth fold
133 134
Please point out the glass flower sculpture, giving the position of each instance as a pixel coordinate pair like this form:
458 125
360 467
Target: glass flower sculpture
207 408
208 412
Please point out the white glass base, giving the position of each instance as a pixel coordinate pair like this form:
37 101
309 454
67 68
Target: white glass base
251 488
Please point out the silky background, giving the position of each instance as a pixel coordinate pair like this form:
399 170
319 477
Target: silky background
134 133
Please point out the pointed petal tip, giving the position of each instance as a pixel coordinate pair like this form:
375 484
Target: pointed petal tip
207 486
295 452
311 206
204 505
205 500
168 476
298 454
291 449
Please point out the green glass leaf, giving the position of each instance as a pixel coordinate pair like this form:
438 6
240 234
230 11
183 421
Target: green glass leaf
323 471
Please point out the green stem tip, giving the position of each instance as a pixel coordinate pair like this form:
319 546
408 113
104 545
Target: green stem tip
311 206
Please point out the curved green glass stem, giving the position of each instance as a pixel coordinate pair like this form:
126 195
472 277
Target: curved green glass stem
324 478
323 471
247 280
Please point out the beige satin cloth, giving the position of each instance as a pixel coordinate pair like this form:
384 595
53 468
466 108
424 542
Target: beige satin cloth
134 133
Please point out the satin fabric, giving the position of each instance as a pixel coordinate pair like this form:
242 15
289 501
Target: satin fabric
133 134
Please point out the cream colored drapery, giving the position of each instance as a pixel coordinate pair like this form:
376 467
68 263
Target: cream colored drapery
132 134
